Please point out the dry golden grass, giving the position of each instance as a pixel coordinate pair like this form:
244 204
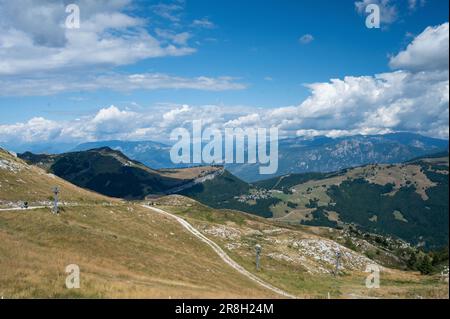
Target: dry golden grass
398 175
30 183
123 251
188 173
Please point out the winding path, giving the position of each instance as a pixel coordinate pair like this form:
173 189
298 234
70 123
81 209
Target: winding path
222 254
22 209
219 251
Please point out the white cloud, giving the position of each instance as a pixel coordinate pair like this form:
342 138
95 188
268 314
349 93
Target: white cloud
39 56
204 23
177 38
428 51
170 11
415 99
111 120
83 49
388 102
245 121
306 38
49 85
174 113
35 130
399 101
112 114
33 37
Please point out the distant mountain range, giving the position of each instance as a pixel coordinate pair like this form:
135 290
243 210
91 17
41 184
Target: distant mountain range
301 155
296 155
37 148
152 154
323 154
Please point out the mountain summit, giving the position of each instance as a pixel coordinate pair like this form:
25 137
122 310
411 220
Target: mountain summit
111 173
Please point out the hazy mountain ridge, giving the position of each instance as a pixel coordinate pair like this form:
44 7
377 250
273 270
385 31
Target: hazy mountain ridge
296 155
152 154
300 155
323 154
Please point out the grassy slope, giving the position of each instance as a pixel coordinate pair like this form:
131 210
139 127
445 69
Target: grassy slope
123 250
105 171
22 182
291 275
189 173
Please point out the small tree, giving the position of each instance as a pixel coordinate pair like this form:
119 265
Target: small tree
425 267
412 261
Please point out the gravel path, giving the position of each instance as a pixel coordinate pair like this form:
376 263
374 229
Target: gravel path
222 254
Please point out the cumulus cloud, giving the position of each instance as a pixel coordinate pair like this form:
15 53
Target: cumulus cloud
388 102
174 113
414 99
251 120
33 37
398 101
35 130
428 51
40 56
113 123
111 120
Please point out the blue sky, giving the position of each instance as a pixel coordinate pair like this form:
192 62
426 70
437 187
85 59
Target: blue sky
249 51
